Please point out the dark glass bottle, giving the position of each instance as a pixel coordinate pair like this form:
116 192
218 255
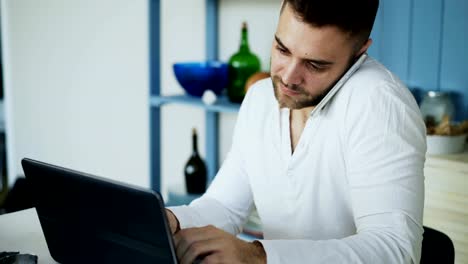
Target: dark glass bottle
195 170
241 66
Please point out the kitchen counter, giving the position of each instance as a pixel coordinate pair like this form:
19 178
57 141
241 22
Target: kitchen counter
446 199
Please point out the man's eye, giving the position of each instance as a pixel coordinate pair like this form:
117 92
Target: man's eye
281 50
314 67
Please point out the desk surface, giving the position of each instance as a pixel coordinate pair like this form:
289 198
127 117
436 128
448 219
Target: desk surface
21 231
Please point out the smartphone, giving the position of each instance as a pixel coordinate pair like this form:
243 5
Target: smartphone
340 82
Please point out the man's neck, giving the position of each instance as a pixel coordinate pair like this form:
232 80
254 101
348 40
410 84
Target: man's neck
297 121
302 114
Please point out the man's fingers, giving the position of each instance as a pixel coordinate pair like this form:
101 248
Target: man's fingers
182 243
200 249
196 234
211 259
186 237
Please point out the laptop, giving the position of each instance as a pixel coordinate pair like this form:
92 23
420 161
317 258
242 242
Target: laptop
88 219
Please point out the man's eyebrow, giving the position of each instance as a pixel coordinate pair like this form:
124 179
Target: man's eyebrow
315 61
319 62
280 43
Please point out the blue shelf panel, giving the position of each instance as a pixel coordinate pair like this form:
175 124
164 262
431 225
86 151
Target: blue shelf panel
154 30
156 100
221 105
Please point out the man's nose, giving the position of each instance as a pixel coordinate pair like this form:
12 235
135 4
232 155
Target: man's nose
292 74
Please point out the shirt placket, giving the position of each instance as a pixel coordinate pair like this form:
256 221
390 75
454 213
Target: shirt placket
294 168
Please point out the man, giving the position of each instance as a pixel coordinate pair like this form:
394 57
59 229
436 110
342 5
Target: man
339 184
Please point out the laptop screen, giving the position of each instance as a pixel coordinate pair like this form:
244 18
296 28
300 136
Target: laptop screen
88 219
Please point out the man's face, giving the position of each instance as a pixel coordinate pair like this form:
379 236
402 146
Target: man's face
306 61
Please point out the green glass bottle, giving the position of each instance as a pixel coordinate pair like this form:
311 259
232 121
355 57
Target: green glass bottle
241 66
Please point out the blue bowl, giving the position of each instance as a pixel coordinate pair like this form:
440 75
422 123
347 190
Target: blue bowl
197 77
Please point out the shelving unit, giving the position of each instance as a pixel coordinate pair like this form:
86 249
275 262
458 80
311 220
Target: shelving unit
156 100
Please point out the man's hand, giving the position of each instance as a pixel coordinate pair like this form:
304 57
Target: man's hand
173 222
213 245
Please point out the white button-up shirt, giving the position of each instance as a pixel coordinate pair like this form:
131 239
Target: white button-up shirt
351 192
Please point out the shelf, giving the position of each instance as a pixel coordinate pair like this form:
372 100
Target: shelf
156 100
222 104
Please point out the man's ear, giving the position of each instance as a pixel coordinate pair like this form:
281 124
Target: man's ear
365 47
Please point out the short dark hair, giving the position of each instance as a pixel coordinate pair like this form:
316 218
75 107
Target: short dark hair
353 17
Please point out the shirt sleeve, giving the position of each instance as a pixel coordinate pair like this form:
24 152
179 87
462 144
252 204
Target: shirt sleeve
228 200
385 156
220 206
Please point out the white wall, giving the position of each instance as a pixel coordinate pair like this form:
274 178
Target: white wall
76 94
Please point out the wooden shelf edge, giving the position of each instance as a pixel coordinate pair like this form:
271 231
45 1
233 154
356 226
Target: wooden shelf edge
221 105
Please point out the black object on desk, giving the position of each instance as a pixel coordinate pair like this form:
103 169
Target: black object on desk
17 258
437 247
18 197
87 219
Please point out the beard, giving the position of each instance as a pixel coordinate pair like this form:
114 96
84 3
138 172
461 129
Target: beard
301 100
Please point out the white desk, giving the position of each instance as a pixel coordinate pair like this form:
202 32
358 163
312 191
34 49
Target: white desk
21 231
